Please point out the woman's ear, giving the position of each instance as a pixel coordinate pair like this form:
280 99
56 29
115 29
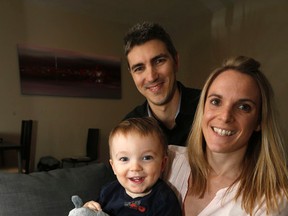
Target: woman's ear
258 127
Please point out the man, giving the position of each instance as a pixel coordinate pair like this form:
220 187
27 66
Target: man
153 64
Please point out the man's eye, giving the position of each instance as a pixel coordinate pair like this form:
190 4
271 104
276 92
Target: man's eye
245 107
148 157
123 159
159 61
138 69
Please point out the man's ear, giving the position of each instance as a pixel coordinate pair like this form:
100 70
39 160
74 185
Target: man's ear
177 61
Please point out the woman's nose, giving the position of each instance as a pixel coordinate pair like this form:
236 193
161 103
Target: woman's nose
226 114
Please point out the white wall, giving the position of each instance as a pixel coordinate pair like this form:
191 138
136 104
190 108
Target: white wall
62 122
256 27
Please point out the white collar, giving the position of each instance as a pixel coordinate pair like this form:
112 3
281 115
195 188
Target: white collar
178 109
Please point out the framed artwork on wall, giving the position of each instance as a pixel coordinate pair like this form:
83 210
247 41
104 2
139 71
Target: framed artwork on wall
56 72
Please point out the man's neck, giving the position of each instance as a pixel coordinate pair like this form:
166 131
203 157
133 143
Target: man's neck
167 113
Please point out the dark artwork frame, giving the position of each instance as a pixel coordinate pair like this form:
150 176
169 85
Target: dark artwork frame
56 72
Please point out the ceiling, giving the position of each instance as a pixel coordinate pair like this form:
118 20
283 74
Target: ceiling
129 11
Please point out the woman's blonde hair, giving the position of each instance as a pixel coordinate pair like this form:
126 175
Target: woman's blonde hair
264 176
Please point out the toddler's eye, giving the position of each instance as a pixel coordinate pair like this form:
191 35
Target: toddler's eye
148 157
123 159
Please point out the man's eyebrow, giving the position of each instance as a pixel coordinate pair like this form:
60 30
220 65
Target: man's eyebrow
162 55
136 65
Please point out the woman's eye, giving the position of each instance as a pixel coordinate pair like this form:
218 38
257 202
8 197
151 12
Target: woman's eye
215 101
123 159
148 157
245 107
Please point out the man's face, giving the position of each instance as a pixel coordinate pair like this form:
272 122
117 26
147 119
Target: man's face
153 70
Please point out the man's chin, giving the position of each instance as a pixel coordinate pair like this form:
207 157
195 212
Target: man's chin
158 102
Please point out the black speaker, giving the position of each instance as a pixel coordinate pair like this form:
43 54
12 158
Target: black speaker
25 141
26 135
92 147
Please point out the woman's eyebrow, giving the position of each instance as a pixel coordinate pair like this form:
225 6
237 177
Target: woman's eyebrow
240 100
247 100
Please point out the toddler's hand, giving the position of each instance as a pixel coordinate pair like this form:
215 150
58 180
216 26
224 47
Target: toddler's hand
93 206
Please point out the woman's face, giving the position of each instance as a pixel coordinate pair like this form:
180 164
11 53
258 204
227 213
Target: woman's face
231 112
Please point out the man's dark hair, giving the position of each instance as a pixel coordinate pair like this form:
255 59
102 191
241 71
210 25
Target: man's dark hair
146 31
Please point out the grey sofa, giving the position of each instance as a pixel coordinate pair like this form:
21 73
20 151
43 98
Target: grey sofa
49 193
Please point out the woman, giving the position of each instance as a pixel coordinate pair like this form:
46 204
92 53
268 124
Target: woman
235 150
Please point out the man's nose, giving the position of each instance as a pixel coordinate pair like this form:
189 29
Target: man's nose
151 74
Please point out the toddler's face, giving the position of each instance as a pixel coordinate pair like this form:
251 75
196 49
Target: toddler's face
137 162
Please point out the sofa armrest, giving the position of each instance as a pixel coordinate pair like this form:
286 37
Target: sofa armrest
49 193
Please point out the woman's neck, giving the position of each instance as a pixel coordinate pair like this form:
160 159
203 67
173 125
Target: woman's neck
226 164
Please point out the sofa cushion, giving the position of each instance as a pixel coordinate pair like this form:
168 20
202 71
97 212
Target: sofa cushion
49 193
